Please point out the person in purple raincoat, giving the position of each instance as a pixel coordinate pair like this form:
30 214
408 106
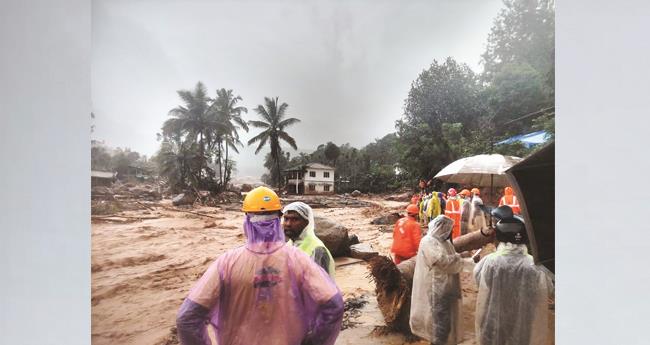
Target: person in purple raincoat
265 292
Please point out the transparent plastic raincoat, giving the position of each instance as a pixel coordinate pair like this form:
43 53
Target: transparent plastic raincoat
512 301
265 292
436 297
308 242
477 218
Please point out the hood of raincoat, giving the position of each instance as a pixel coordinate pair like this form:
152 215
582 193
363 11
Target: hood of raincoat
306 213
440 227
264 234
308 241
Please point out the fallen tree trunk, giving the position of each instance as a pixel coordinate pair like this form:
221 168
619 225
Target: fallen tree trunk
474 240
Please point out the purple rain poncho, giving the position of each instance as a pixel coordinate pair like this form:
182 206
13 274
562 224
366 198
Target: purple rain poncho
265 292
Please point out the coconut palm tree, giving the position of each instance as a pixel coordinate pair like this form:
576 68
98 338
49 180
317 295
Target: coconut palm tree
273 127
193 122
227 115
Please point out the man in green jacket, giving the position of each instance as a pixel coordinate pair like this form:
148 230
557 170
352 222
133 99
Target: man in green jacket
298 225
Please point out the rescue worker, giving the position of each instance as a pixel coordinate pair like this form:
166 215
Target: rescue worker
265 292
406 235
510 199
513 292
452 210
298 225
436 294
477 216
465 196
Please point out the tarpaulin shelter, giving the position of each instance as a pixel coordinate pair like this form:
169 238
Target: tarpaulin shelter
529 140
533 180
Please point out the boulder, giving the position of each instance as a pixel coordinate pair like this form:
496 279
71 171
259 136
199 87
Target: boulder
356 193
387 219
362 251
183 199
246 187
405 197
334 236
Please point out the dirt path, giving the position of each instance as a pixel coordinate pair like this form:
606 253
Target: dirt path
142 271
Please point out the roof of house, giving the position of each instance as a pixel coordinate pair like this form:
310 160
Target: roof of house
309 165
101 174
319 166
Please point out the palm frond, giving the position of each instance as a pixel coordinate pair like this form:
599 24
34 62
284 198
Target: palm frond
259 124
287 122
282 110
287 138
262 143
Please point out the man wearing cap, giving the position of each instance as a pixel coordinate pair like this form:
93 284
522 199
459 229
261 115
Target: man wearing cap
406 235
298 224
264 292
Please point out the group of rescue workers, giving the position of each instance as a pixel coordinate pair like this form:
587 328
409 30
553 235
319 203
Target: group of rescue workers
279 288
513 292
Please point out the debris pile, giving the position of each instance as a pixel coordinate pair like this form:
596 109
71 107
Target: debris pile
351 311
327 201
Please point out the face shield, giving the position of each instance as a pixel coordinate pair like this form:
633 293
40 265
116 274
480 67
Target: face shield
263 232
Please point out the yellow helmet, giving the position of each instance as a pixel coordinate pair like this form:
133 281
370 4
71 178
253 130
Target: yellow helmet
261 199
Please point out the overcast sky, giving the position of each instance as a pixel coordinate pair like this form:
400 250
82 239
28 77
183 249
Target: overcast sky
344 67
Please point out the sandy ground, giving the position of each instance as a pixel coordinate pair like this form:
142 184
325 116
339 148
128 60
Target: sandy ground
143 269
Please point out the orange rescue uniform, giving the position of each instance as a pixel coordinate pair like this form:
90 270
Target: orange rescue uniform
406 239
452 210
510 200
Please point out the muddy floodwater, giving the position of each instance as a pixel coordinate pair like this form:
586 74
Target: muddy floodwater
144 263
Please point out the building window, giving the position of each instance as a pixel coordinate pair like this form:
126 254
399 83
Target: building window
312 174
327 187
326 174
312 187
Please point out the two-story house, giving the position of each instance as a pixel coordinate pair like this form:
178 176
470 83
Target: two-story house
312 178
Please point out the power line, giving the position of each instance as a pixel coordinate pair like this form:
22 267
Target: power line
529 115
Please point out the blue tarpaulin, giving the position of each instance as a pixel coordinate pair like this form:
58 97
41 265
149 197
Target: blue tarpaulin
530 139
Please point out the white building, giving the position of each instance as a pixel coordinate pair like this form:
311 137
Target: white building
312 178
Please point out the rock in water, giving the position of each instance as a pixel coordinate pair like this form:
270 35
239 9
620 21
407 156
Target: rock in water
362 251
387 219
334 236
183 199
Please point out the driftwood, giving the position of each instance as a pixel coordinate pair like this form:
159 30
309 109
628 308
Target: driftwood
119 216
192 212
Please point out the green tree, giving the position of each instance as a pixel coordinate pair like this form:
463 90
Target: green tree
444 97
194 124
332 153
273 125
100 159
519 67
227 117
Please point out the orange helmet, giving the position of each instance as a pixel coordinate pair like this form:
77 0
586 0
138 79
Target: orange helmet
412 209
261 199
507 191
452 192
465 192
476 191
